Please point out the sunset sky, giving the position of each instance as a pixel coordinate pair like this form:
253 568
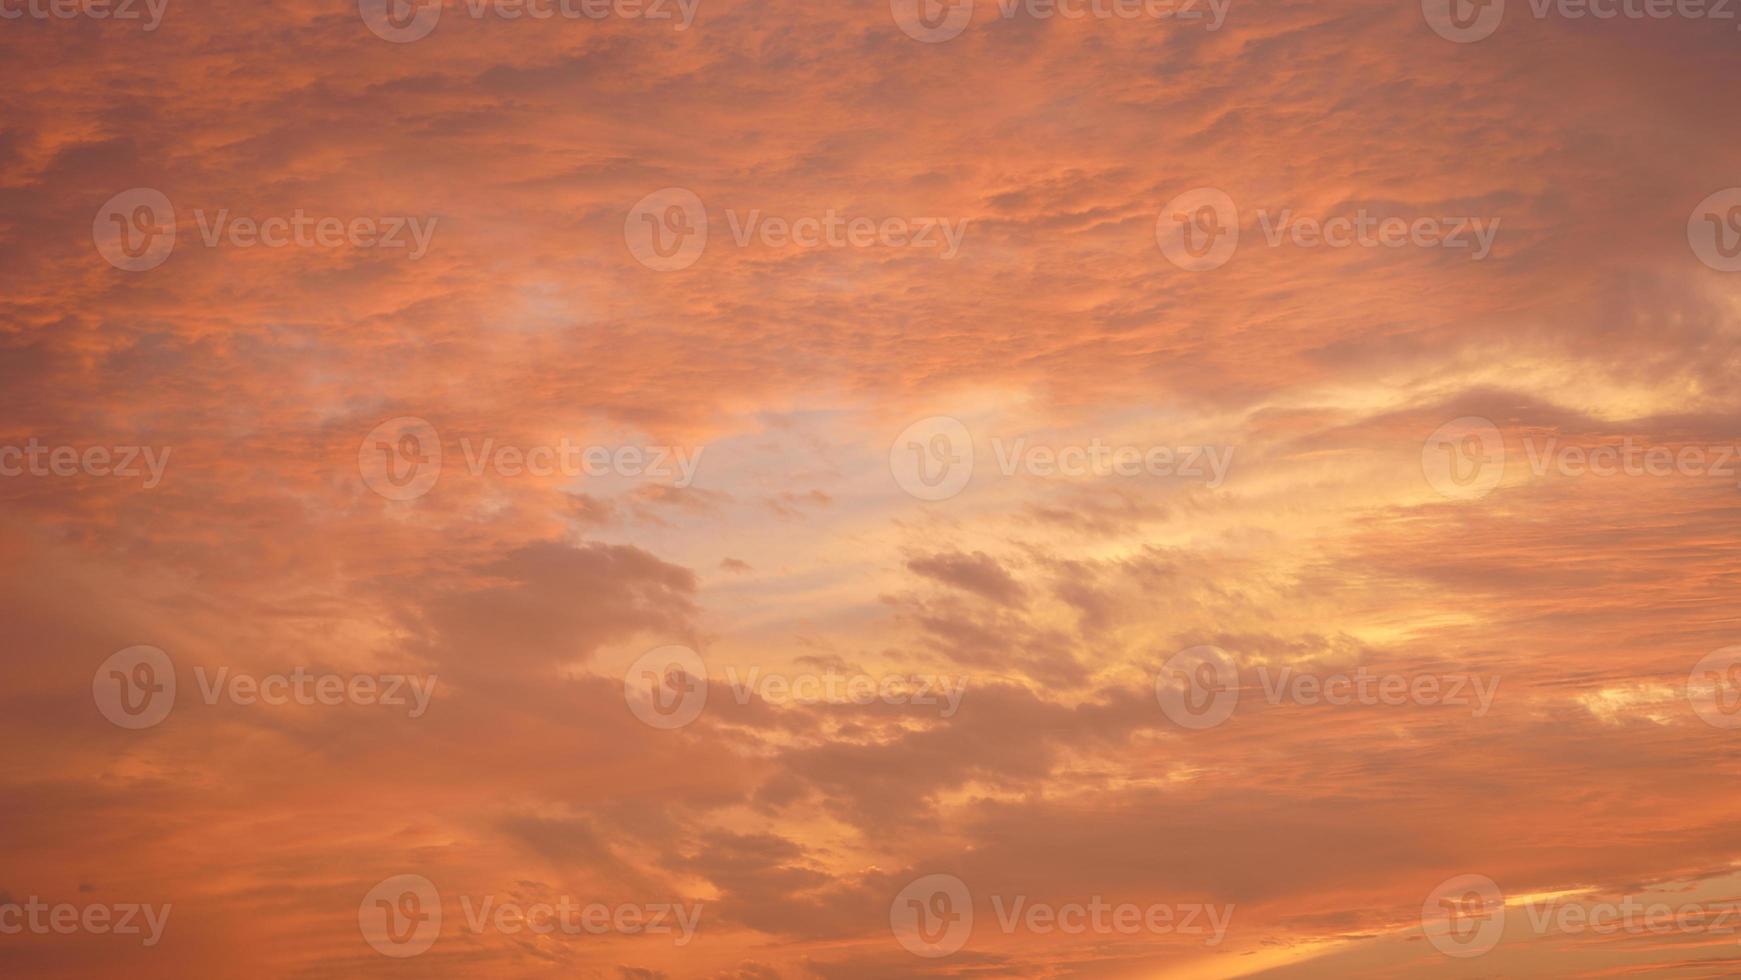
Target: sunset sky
847 471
